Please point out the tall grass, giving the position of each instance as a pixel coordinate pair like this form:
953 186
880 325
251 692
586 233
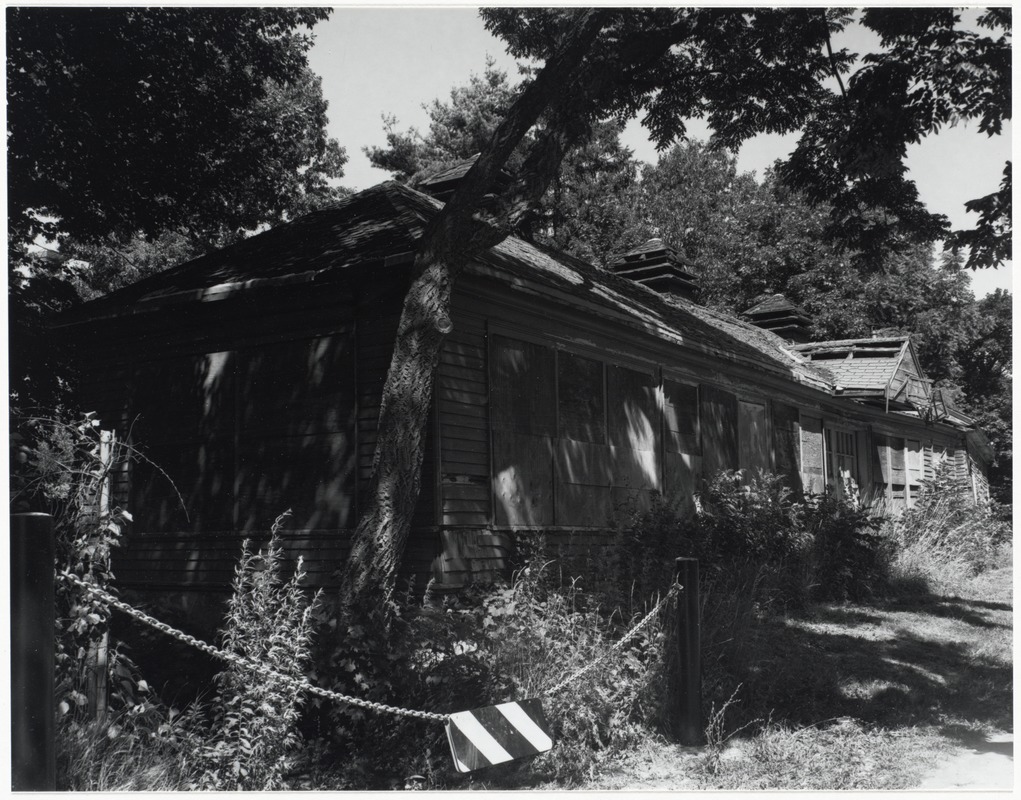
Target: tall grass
244 739
944 540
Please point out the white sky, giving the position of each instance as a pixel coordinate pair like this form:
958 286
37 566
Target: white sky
380 60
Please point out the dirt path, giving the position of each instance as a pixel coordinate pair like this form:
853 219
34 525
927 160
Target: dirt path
987 766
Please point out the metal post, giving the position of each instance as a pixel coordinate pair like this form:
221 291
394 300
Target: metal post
686 657
33 754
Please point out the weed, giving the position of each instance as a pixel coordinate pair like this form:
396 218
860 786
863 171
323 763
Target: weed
254 730
945 539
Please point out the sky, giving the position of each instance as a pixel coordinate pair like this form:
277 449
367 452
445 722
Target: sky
392 60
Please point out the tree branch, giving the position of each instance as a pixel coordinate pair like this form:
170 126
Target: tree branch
833 60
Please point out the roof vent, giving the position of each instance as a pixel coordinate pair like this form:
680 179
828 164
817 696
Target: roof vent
661 268
776 313
443 183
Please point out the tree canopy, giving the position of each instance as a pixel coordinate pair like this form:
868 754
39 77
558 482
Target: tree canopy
142 120
775 70
591 208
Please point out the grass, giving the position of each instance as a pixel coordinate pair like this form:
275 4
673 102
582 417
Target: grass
834 696
865 697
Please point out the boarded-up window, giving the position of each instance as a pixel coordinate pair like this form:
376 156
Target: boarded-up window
682 451
881 459
523 412
185 409
522 387
752 438
812 454
786 449
930 462
633 420
631 400
680 415
916 469
896 455
581 405
296 434
719 429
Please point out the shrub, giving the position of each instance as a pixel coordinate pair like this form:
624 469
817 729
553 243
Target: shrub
850 558
254 726
945 538
63 465
146 747
481 646
640 563
539 632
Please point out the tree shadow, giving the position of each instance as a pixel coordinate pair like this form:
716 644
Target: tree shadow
803 674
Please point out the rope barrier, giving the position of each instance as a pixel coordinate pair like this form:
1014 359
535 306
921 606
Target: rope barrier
241 661
302 685
631 634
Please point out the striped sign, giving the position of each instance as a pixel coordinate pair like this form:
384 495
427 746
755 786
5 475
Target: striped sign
495 734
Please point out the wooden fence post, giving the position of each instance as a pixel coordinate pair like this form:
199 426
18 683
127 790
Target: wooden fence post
33 753
685 658
98 655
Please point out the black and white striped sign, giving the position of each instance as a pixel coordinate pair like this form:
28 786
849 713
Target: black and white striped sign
495 734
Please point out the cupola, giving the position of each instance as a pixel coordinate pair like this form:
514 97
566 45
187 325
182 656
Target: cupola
776 313
661 268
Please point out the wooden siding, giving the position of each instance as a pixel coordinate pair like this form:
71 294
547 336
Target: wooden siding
753 438
812 455
463 411
682 453
787 443
718 414
247 407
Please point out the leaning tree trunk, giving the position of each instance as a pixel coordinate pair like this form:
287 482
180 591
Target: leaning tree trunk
400 444
453 238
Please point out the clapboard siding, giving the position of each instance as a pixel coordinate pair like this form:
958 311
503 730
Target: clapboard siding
290 420
462 402
208 560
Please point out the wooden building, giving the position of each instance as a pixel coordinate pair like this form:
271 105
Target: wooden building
251 380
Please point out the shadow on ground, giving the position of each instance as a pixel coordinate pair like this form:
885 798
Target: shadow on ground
920 661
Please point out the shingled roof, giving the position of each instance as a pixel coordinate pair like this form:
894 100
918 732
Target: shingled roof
879 367
381 226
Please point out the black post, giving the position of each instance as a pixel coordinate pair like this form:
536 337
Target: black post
686 657
33 754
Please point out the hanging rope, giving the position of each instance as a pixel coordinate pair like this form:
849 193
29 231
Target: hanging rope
301 685
631 634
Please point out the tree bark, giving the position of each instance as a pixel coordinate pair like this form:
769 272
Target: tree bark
451 240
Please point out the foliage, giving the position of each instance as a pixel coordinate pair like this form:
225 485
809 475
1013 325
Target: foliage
64 467
640 561
986 361
772 70
458 129
126 120
542 629
759 519
592 207
254 726
41 374
102 267
850 558
945 539
146 748
593 210
485 645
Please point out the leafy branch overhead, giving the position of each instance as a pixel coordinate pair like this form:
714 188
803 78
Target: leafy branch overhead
127 120
775 70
